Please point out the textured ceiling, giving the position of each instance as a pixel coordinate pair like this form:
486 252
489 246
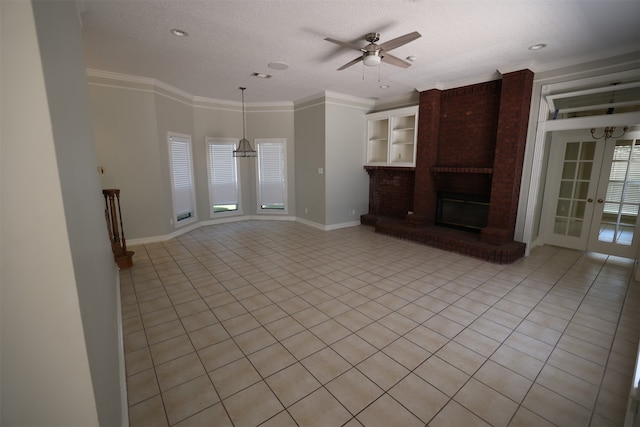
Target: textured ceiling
462 42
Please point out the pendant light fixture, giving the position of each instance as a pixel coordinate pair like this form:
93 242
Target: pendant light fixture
244 147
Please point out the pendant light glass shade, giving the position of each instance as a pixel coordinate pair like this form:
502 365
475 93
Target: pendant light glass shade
244 147
371 59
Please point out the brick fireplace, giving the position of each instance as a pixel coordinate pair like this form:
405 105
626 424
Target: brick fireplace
471 141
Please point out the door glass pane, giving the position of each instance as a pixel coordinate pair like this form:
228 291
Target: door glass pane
632 192
582 190
618 171
588 150
569 170
575 228
630 210
634 171
584 170
574 188
566 189
560 226
577 210
622 150
614 192
563 207
625 235
606 233
620 214
572 150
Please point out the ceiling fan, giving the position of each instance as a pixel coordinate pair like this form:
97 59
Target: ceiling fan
373 54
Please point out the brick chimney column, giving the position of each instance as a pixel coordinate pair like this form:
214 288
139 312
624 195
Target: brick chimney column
513 121
424 192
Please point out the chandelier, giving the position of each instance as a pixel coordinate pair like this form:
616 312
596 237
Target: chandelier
608 132
244 147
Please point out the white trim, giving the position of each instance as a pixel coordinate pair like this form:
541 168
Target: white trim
334 98
543 125
460 83
341 225
551 98
191 227
117 324
327 227
585 59
622 119
91 72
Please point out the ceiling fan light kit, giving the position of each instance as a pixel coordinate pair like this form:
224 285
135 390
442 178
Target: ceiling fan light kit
371 59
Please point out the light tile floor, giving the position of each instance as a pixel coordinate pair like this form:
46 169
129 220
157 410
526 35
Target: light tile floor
277 324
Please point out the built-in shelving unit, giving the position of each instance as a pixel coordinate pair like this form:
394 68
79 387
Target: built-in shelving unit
391 137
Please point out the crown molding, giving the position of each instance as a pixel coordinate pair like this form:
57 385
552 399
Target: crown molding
460 83
162 88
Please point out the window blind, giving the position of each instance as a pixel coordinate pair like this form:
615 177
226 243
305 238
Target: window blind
223 176
271 174
182 178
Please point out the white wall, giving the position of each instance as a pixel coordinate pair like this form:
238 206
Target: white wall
59 360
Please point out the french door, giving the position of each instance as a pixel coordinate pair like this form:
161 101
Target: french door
592 197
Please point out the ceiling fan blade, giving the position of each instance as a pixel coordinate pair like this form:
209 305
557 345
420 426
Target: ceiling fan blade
343 44
350 63
394 60
399 41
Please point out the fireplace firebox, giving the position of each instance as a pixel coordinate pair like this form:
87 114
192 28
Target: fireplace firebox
463 211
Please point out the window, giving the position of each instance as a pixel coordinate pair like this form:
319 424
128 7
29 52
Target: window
222 168
182 188
272 173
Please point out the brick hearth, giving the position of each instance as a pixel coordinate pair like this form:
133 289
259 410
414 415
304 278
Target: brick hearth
448 239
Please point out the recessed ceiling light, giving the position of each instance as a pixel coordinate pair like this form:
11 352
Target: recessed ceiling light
179 33
411 58
278 65
261 75
384 86
537 46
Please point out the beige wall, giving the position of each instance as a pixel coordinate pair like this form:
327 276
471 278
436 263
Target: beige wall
347 183
132 119
309 156
129 150
59 362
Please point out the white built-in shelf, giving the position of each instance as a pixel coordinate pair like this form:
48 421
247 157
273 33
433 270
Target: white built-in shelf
391 137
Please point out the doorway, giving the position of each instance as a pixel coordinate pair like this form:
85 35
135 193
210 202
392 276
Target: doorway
592 197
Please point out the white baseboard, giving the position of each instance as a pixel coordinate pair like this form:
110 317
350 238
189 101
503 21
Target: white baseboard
124 403
194 226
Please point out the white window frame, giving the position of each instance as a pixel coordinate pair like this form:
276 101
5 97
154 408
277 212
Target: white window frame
188 197
233 143
261 142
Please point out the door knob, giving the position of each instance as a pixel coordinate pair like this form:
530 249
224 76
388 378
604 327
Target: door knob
589 200
600 200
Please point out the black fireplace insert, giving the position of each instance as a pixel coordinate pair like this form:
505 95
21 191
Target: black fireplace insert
463 211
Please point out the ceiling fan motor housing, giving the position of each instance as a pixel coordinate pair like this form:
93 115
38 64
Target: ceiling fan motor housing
372 37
